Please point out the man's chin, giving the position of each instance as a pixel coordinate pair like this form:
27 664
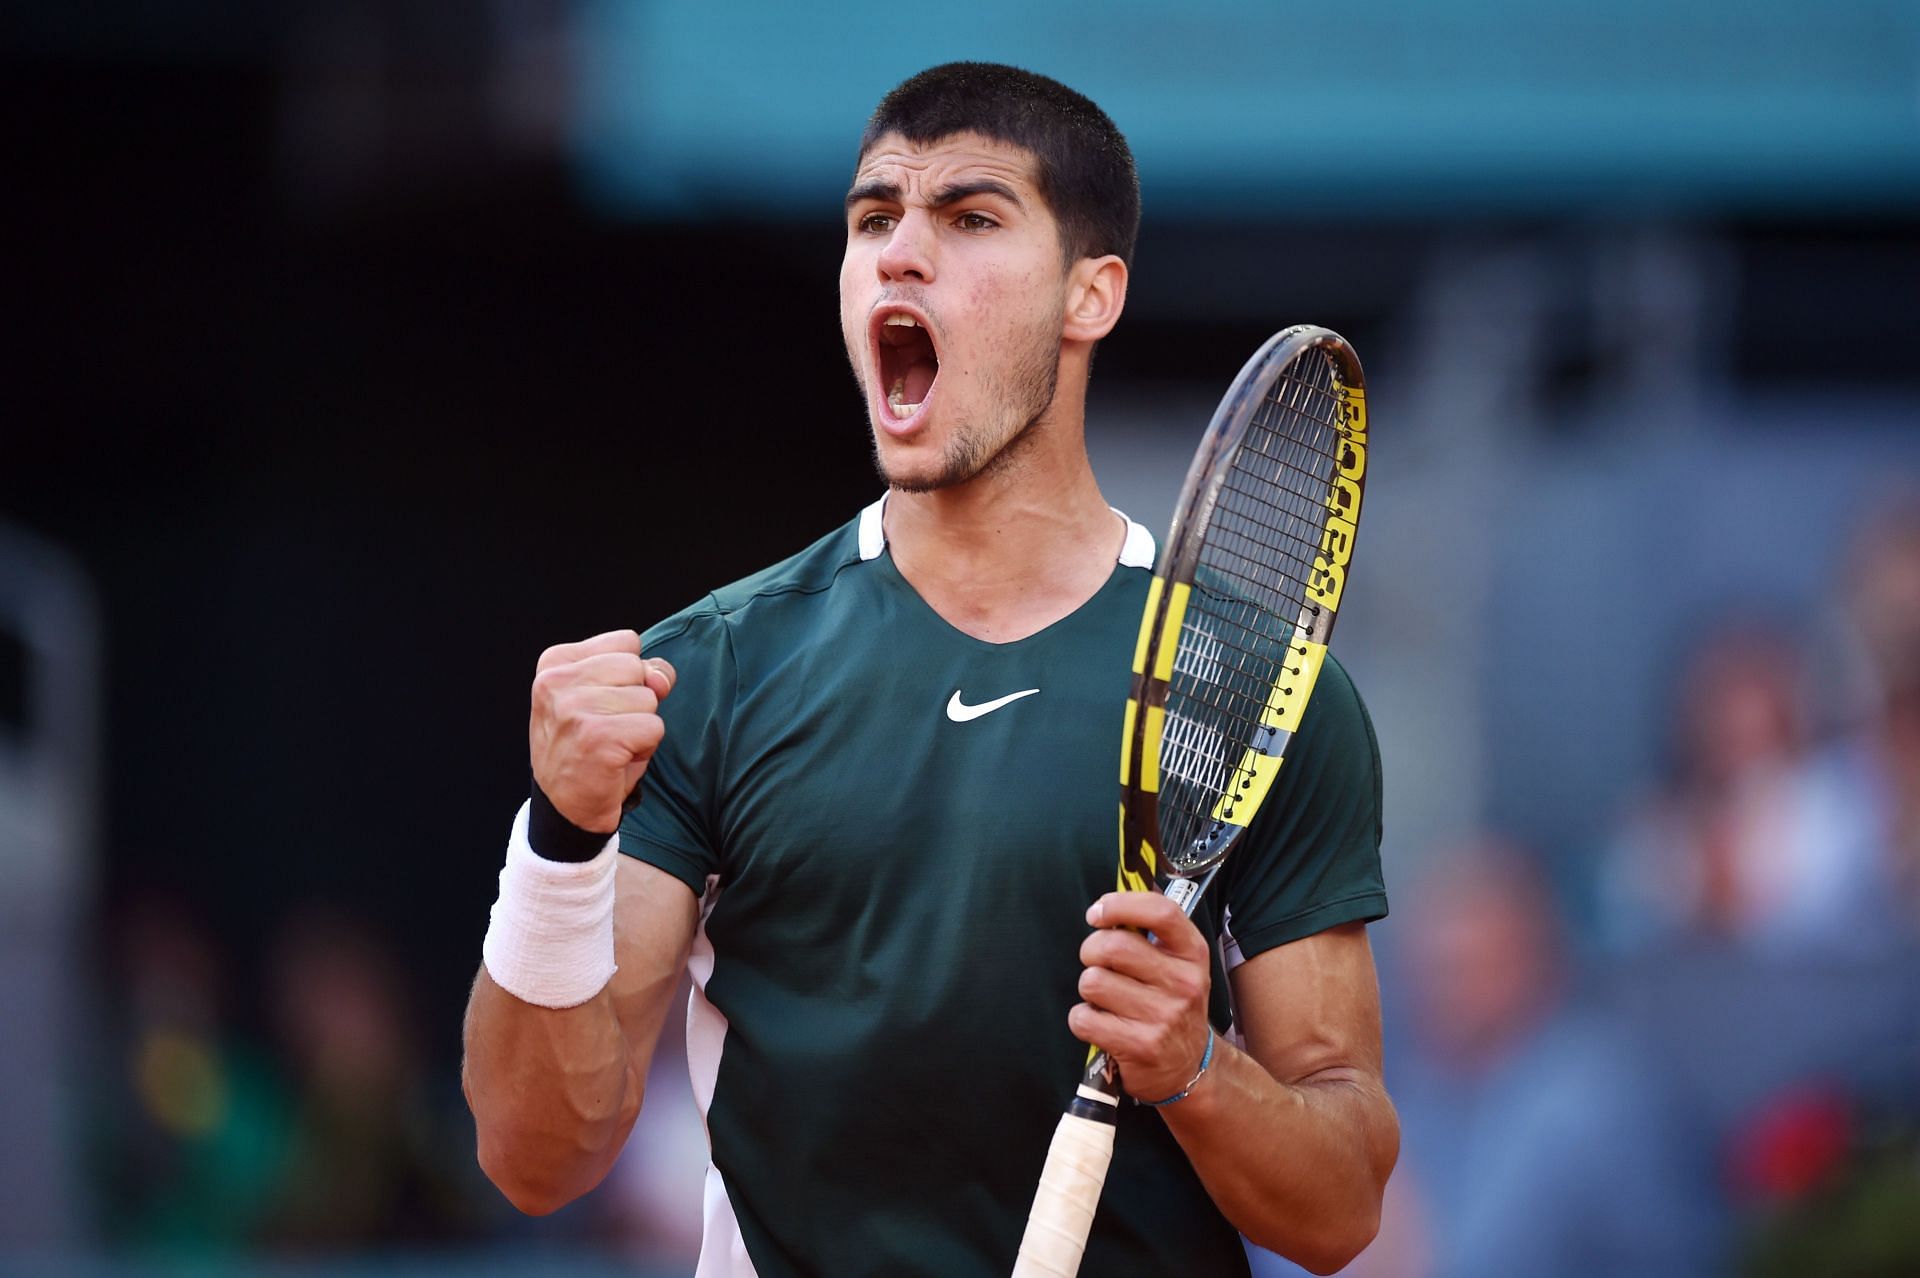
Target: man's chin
961 459
913 466
917 474
917 478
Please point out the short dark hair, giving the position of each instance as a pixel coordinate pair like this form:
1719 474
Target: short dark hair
1086 172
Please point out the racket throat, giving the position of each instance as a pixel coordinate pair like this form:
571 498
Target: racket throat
1186 893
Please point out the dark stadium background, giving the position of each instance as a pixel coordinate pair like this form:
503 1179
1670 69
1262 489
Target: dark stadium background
339 452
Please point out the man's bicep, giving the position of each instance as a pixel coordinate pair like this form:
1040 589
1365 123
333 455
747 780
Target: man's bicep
1312 1006
654 918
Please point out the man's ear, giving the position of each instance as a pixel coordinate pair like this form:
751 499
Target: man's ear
1096 294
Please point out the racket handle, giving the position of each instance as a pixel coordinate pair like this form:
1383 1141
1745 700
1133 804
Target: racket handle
1063 1205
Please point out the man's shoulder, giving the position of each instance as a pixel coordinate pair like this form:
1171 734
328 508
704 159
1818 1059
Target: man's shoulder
809 573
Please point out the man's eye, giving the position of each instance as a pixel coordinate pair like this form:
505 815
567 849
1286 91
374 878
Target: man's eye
876 223
976 222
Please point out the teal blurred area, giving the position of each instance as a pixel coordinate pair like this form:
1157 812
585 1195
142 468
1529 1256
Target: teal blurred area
1239 109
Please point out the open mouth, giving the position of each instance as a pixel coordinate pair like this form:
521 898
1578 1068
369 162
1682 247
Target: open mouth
907 362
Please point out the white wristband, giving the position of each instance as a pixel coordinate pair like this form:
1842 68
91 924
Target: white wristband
550 939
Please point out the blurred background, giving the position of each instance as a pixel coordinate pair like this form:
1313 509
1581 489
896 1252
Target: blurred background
354 350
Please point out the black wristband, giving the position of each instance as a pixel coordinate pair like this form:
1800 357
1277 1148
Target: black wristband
554 837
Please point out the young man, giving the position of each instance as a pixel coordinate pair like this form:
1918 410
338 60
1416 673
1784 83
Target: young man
877 817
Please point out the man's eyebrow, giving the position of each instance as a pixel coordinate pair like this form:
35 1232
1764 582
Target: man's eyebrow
877 191
967 190
882 192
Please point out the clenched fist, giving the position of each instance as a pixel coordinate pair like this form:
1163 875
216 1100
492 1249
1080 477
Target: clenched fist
595 725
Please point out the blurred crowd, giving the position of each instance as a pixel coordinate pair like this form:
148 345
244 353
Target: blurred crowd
326 1132
337 1130
1697 1053
1694 1051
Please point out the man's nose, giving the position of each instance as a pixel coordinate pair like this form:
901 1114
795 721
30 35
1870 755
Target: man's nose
908 254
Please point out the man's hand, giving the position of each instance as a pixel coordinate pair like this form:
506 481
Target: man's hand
595 725
1146 1003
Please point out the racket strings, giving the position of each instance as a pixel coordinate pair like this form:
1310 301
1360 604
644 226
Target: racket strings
1238 639
1273 506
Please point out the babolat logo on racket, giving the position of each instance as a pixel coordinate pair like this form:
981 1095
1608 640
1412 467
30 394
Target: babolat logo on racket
1329 575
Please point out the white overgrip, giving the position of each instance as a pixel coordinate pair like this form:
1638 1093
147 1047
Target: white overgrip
1063 1205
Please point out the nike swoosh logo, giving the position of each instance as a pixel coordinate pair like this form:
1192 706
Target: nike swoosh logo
960 712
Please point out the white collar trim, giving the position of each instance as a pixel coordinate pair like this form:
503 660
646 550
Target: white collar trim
1137 551
873 529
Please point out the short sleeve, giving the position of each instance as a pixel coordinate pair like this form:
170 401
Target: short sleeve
674 825
1311 859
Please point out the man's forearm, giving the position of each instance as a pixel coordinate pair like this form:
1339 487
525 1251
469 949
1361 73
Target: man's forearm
554 1093
1299 1168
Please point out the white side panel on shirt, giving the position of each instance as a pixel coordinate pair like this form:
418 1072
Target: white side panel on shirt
723 1253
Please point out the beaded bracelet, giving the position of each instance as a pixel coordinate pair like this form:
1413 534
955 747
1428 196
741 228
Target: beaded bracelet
1206 1059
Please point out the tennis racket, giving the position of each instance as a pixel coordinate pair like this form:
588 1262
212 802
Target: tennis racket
1235 630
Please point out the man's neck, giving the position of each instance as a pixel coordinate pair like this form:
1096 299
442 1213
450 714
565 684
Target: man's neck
1011 551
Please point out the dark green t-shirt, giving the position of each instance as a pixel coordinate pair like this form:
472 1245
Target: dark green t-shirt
896 830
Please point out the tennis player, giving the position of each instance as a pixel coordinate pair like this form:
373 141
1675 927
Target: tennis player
877 816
